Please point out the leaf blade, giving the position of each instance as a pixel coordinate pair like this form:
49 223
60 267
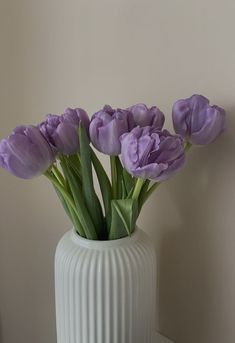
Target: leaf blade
129 181
105 186
82 211
90 196
124 211
71 213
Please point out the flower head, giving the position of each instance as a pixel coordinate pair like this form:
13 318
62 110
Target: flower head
25 153
106 127
151 154
197 121
61 131
144 116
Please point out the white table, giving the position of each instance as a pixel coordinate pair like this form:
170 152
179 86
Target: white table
162 339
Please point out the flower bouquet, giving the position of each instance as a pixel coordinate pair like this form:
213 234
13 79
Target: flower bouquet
142 156
60 149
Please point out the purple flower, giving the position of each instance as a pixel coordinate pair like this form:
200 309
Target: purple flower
107 126
74 116
197 121
151 154
25 153
61 131
144 116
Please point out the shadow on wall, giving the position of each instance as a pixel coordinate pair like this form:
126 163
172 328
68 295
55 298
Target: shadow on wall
188 254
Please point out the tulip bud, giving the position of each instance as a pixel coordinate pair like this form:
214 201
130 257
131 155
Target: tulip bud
144 116
25 153
151 154
61 131
197 121
107 126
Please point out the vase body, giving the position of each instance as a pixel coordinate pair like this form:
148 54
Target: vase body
105 290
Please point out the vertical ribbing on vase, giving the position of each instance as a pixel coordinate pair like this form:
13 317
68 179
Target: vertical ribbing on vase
92 296
143 291
128 303
104 293
143 257
77 306
132 294
108 294
100 300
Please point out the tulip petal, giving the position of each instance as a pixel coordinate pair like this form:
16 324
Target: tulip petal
129 150
25 153
144 116
145 146
106 128
74 116
213 126
66 139
172 169
150 171
151 154
109 138
61 131
197 121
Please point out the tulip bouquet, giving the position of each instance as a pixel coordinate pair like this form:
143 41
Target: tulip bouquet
142 156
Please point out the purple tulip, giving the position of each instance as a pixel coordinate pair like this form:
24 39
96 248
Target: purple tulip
144 116
74 116
197 121
25 153
151 154
107 126
61 131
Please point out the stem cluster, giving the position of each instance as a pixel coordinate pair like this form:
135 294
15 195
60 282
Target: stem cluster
122 197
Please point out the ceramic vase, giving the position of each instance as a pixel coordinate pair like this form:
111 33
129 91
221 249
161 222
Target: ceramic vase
105 290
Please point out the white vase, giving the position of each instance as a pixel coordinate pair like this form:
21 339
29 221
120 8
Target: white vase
105 290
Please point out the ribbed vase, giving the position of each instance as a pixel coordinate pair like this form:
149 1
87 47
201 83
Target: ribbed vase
105 290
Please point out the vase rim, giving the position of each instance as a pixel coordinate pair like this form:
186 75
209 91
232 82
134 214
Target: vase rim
102 244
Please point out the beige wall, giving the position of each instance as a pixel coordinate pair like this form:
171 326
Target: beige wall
58 53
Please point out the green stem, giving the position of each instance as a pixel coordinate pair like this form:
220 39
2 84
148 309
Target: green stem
76 222
187 147
58 174
137 189
150 191
71 214
75 163
62 190
79 158
113 176
143 193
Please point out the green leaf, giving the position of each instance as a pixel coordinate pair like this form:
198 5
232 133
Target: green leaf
150 191
143 193
105 186
58 174
119 169
124 192
129 181
75 164
63 202
66 198
90 196
81 209
124 216
71 214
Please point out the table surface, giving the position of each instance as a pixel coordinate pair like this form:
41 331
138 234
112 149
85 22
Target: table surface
162 339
